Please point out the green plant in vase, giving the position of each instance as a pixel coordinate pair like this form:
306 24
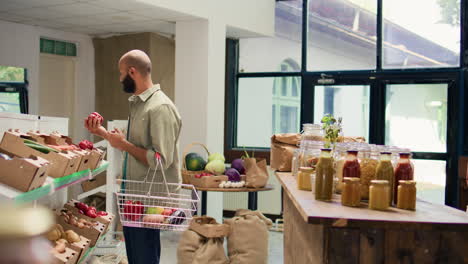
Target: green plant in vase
331 129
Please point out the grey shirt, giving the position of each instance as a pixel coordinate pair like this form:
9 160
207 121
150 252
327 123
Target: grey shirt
155 125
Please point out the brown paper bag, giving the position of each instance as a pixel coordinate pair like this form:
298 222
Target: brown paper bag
248 239
256 173
203 242
282 150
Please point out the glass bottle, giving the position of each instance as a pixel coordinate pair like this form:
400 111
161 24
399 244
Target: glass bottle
311 153
403 171
339 156
407 195
351 194
303 178
324 176
295 162
384 171
368 160
379 195
351 168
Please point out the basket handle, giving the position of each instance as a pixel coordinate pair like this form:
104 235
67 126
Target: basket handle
188 148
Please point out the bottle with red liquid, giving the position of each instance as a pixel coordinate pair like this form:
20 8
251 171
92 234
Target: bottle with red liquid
403 171
351 167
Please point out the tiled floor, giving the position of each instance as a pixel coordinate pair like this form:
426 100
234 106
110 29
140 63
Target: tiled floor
170 240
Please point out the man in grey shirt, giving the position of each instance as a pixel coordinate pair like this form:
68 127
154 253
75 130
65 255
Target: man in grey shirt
154 127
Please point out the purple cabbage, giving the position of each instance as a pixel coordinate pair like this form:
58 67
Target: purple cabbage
238 164
233 175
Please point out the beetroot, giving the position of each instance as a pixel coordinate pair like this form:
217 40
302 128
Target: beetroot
238 164
233 175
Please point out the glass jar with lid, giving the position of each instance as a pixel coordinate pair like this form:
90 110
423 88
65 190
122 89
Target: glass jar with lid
303 178
351 193
312 132
379 195
407 195
310 153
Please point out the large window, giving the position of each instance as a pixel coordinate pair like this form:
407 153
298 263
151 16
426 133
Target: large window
13 92
391 68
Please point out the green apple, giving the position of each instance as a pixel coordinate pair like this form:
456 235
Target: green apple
154 210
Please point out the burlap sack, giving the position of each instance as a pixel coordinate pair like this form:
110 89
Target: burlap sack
203 243
282 150
256 173
248 238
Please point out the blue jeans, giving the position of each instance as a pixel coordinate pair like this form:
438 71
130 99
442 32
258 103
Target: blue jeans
143 245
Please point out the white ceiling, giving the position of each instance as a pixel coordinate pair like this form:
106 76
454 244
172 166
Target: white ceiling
92 17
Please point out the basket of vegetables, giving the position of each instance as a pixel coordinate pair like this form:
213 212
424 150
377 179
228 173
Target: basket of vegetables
193 164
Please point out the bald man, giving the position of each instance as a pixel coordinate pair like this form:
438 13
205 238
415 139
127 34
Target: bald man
154 127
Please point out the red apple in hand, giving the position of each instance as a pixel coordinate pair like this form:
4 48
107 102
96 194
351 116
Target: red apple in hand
96 115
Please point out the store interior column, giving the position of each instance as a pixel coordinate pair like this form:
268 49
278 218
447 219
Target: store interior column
199 90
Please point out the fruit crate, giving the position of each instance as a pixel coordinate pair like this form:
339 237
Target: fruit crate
156 203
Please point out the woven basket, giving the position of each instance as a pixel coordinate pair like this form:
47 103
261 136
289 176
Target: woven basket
187 174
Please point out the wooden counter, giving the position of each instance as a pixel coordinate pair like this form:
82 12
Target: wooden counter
327 232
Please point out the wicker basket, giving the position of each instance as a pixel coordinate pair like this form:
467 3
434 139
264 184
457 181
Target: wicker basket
187 175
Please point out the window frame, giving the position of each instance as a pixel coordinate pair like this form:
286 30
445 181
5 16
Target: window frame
378 78
18 87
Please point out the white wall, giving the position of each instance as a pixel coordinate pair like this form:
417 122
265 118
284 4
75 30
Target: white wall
252 17
19 46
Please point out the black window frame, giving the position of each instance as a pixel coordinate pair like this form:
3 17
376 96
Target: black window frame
378 78
18 87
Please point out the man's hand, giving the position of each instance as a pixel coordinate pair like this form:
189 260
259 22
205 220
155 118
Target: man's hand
94 127
117 139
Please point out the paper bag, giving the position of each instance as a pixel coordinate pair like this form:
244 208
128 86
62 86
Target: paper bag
203 242
282 150
248 239
256 173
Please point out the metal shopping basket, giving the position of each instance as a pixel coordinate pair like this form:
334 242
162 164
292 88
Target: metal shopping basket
156 204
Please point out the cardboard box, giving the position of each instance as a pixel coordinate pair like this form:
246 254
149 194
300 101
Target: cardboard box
105 220
97 156
62 163
85 159
58 139
98 181
92 233
70 256
24 174
81 247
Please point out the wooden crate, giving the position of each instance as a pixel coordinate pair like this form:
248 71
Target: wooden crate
105 220
70 256
81 247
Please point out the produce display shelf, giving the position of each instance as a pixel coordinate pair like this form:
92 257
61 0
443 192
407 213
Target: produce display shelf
78 177
51 185
106 244
91 249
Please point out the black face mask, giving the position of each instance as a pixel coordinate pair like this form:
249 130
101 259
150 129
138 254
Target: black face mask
128 84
